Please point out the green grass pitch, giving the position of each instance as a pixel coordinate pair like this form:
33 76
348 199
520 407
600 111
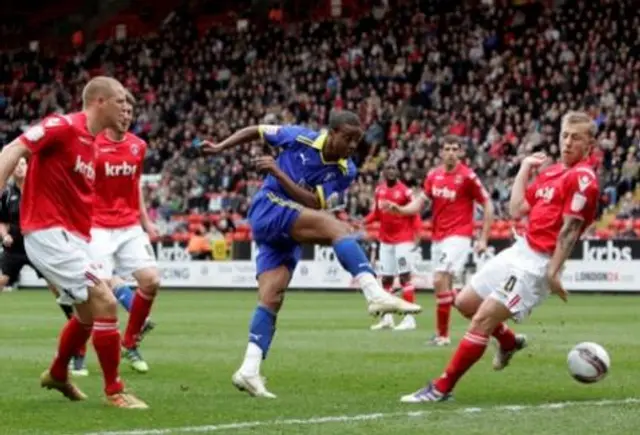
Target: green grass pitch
331 374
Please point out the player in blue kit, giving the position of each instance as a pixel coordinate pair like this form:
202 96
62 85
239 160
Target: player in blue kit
310 174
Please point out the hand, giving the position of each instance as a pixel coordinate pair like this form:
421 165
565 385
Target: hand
555 286
7 240
535 160
152 230
480 246
266 164
209 147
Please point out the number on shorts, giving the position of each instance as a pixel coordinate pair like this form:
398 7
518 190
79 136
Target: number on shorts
402 262
510 284
443 257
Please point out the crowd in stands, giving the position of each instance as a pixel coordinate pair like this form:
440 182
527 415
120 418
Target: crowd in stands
498 77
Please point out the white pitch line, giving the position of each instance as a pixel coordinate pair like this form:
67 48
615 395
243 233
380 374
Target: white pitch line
364 417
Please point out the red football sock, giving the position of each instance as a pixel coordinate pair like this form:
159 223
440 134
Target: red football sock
409 293
443 312
505 337
140 308
73 336
106 341
469 351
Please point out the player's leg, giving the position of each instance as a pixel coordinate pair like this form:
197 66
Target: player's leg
134 256
403 263
387 264
125 293
449 256
64 260
513 296
275 267
468 302
9 271
313 226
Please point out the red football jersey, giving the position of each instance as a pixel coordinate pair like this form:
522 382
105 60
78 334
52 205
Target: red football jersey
118 172
453 195
58 189
556 192
394 228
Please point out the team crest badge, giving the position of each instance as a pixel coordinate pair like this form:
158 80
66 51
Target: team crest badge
135 149
458 179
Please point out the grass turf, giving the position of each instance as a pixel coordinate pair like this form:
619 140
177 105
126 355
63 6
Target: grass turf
324 362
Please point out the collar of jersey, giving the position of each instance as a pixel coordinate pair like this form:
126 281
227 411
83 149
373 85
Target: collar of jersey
319 144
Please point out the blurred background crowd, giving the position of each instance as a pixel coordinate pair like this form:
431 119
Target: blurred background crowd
499 74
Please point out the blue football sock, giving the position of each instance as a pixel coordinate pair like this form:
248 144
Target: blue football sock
124 294
352 257
262 329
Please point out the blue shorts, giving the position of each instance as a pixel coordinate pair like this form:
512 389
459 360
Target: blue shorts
271 218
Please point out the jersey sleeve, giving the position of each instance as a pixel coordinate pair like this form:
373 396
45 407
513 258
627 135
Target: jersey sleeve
476 189
52 130
581 194
279 135
330 193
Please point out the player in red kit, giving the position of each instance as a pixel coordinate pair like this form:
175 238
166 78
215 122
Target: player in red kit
453 189
119 244
560 204
398 237
55 219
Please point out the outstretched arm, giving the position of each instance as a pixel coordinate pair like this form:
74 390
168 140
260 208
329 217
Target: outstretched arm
245 135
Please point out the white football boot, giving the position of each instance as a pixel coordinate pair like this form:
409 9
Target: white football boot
385 323
253 385
408 323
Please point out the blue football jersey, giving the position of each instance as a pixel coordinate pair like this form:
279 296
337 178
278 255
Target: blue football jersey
301 159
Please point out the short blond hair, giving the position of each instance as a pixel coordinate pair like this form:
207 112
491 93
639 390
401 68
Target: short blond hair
99 86
578 117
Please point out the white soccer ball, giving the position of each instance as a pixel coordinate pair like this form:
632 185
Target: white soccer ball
588 362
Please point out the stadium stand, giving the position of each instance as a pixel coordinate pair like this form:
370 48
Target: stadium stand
497 75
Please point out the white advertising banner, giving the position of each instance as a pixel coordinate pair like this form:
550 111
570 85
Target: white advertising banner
326 273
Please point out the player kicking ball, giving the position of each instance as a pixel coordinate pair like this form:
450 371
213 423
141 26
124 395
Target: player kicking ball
560 203
55 220
120 230
453 189
399 237
311 172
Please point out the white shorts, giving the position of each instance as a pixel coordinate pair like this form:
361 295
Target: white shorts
451 254
121 251
516 278
64 260
395 258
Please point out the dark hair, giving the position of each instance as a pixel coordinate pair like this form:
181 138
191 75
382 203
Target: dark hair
452 139
338 118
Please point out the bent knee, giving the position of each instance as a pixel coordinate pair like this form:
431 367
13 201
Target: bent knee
440 282
102 301
148 281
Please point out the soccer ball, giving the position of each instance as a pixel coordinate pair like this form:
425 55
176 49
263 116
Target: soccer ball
588 362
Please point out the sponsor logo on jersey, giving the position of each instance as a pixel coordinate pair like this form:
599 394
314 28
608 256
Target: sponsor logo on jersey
444 192
122 169
545 193
85 168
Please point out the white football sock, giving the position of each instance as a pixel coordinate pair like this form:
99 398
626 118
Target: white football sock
252 359
371 288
